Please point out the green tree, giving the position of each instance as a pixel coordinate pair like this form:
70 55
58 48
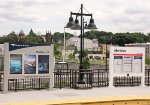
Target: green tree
86 61
30 39
57 52
118 38
71 56
147 60
59 37
33 38
32 33
11 38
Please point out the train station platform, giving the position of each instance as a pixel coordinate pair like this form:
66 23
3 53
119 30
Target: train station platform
94 96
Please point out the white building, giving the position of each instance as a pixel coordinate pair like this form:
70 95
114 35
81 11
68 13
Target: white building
146 45
68 50
1 56
1 49
90 45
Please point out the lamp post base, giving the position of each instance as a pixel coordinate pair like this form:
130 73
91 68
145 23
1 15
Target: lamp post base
81 75
81 82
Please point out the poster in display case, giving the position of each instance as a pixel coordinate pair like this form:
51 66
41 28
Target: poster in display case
30 64
43 64
127 64
118 64
15 64
138 64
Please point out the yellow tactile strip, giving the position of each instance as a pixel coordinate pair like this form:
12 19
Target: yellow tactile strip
91 101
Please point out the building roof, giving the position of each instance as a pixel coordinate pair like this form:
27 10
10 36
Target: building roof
21 32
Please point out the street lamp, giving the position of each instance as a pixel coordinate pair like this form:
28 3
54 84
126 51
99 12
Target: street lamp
64 47
75 26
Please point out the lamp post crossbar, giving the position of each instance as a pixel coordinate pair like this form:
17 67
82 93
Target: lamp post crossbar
79 14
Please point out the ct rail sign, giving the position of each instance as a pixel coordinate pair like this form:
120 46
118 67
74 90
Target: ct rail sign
127 62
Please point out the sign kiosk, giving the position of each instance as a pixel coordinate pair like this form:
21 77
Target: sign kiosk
24 61
126 61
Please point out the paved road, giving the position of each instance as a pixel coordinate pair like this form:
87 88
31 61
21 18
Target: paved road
61 94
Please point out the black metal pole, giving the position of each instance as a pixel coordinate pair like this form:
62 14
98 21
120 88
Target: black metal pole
81 75
83 34
81 52
106 56
81 65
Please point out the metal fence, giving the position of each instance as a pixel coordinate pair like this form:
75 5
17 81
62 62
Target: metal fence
100 78
69 78
1 82
147 77
24 84
127 81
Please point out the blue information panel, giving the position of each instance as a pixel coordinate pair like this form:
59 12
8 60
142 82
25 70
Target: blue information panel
43 64
15 64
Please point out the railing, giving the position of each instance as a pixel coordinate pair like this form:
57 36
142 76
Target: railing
100 78
69 78
24 84
63 78
147 77
127 81
1 82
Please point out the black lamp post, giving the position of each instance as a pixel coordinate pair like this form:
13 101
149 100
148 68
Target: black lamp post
75 26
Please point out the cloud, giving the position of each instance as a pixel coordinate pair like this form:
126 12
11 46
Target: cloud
109 15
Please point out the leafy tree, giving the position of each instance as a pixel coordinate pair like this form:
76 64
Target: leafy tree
57 52
11 38
118 38
86 61
32 33
147 60
30 39
71 56
33 38
59 37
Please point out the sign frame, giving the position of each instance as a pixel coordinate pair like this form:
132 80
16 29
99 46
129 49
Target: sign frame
123 62
23 50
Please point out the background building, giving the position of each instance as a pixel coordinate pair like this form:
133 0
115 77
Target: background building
146 45
68 50
21 36
1 56
89 44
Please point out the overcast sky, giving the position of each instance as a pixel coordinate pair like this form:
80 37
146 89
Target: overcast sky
41 15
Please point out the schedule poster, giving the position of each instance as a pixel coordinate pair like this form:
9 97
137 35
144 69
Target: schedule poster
118 64
138 64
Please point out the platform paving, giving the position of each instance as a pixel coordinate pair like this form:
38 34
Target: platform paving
12 98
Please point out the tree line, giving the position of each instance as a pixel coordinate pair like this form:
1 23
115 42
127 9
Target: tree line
103 37
118 38
31 38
